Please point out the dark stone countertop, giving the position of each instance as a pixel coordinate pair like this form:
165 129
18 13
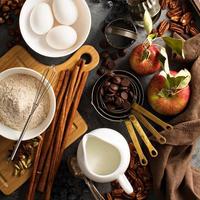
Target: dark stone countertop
67 187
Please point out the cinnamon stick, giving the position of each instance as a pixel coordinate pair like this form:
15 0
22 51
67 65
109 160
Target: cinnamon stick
61 126
44 175
51 131
60 82
68 130
32 186
82 64
74 109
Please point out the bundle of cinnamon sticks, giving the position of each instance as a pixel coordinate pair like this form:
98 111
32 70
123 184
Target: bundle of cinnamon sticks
49 153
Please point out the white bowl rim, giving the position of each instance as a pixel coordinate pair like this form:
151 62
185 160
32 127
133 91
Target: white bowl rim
5 131
61 53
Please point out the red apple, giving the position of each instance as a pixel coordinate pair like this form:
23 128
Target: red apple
171 101
145 61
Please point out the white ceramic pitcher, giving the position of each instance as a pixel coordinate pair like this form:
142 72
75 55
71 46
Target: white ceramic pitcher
103 156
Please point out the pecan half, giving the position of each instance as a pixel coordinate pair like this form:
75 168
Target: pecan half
129 196
177 28
187 29
194 30
163 27
164 4
117 192
186 18
109 197
173 4
175 12
141 196
175 18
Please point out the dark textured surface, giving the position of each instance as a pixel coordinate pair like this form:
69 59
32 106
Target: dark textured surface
67 187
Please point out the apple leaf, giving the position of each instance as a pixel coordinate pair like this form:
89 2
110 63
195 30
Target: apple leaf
145 54
180 80
148 24
163 93
148 41
151 37
175 44
163 58
185 81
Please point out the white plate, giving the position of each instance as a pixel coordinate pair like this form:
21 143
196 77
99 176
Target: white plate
38 42
12 134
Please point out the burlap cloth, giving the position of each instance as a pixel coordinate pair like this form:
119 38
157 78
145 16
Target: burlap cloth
173 176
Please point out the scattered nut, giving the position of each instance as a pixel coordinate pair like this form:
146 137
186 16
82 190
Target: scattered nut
177 28
194 30
186 18
173 4
141 184
163 27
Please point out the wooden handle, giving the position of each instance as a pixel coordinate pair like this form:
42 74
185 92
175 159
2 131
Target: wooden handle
143 159
87 50
153 152
155 133
152 117
3 180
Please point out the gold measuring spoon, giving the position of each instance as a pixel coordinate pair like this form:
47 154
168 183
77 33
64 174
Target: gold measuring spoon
151 116
153 152
161 139
129 126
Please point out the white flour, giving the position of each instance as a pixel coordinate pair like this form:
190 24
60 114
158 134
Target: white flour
17 93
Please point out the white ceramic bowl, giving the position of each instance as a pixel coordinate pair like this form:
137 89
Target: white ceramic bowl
38 42
12 134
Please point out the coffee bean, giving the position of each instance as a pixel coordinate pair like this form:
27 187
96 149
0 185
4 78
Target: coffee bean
101 71
114 87
118 101
107 83
104 44
2 20
126 105
114 56
111 94
111 107
124 95
121 52
116 80
104 54
109 64
107 99
110 74
125 82
123 88
111 91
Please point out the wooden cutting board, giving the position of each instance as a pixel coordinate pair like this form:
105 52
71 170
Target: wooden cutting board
19 57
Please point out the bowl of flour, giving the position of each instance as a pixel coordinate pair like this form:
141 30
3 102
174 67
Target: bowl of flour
18 87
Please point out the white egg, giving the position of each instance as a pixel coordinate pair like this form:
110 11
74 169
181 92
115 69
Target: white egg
65 11
41 18
61 37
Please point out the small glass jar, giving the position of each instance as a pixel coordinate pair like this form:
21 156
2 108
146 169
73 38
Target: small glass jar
138 7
